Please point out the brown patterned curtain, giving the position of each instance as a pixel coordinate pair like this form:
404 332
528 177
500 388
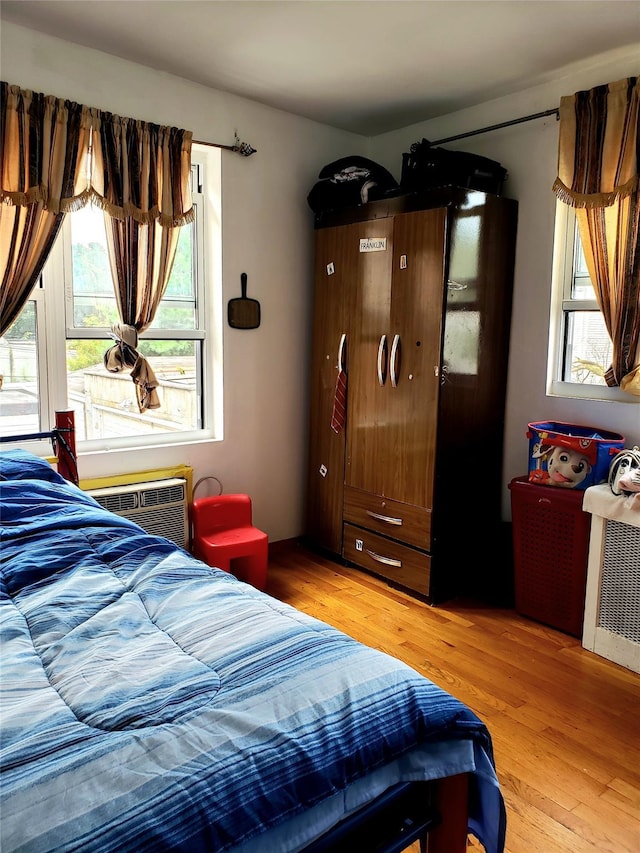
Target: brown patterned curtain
598 175
44 143
146 198
57 156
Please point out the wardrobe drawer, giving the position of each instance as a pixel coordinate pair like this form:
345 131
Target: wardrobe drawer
410 524
398 563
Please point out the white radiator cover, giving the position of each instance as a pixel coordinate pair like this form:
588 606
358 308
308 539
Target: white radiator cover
612 606
158 506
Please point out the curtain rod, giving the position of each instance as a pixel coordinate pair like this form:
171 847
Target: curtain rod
239 147
555 112
247 150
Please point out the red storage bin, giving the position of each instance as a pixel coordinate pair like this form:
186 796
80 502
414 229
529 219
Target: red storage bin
550 554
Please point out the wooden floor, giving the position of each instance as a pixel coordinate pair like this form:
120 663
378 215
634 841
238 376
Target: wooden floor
565 722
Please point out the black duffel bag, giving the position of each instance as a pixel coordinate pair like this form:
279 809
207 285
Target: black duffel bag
425 167
350 181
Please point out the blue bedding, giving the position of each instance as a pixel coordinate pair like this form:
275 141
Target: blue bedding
152 703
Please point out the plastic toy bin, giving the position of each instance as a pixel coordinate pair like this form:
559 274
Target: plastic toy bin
550 554
575 457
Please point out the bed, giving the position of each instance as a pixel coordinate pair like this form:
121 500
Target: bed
150 702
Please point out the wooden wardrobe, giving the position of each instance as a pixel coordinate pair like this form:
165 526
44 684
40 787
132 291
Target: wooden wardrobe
412 301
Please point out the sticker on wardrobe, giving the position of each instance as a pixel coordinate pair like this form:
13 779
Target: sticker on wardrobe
373 244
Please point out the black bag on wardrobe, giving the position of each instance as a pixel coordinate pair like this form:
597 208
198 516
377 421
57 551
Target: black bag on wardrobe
425 167
350 181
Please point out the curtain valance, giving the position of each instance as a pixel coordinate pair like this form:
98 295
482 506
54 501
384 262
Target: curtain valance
64 155
598 145
55 157
44 142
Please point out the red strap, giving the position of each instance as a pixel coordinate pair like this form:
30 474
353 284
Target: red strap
338 414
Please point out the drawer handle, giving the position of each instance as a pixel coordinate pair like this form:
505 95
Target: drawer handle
389 519
397 564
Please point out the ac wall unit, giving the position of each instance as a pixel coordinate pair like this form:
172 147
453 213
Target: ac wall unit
158 506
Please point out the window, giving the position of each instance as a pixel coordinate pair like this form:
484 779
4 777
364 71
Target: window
52 356
580 347
21 400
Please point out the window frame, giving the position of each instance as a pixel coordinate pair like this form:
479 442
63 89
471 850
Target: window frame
564 253
54 309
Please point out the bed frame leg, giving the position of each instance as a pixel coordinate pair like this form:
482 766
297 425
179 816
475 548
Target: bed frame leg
451 798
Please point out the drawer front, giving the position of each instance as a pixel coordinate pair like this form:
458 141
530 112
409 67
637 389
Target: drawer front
405 522
391 560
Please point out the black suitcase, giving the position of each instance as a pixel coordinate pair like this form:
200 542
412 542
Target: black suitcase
425 167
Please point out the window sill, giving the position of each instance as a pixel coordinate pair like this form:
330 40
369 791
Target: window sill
600 393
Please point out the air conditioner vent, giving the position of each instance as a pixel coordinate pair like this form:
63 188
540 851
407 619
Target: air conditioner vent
118 503
162 495
158 506
619 610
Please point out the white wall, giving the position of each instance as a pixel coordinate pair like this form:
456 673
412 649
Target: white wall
529 152
267 232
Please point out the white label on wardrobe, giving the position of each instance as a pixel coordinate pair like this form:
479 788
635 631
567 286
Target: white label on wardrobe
373 244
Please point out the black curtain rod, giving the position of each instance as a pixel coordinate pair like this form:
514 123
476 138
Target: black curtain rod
238 146
247 150
555 112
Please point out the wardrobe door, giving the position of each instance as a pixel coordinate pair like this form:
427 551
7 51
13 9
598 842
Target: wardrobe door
369 361
334 275
408 436
392 425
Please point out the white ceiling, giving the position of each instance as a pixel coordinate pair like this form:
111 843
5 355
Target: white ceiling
367 67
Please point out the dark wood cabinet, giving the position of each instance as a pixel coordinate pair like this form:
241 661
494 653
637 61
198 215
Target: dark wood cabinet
413 298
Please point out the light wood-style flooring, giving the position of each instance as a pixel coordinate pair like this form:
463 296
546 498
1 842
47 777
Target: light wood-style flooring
565 722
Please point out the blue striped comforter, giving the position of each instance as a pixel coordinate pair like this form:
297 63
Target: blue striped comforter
151 703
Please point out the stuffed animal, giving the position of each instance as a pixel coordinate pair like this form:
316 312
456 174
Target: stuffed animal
567 468
624 472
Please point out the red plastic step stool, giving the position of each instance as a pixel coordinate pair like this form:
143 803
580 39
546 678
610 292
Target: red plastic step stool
224 536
